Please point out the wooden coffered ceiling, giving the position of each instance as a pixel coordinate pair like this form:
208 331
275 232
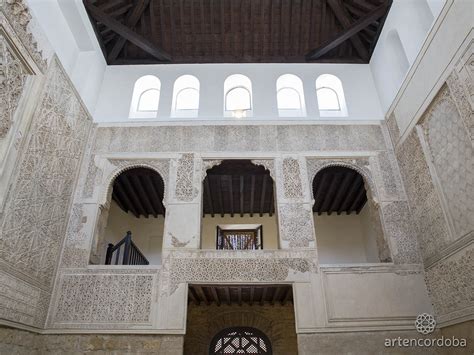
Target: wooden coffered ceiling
238 187
237 31
139 191
338 189
240 294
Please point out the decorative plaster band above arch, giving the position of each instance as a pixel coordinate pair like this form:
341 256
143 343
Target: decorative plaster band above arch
159 166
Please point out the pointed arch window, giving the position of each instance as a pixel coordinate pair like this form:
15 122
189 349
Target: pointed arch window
237 96
330 94
146 97
290 96
186 97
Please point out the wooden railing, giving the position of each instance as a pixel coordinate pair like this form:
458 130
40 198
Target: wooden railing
131 255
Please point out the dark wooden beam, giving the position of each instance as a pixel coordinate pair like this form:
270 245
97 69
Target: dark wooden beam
272 203
201 294
329 193
275 295
353 190
241 195
348 32
252 194
227 295
342 189
262 197
287 295
143 195
121 191
239 295
128 34
361 204
207 187
262 299
231 194
155 195
194 297
219 194
133 194
215 295
360 195
252 292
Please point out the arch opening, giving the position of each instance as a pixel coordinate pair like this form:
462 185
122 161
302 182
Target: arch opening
347 223
131 224
240 340
330 95
145 97
237 96
290 96
239 207
186 97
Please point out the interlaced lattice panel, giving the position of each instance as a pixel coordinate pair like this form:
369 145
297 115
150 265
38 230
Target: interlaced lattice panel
240 340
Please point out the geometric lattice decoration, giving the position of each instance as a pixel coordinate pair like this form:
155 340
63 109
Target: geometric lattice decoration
453 157
240 340
34 223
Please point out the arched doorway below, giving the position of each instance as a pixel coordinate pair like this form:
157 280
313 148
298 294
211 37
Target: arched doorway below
240 340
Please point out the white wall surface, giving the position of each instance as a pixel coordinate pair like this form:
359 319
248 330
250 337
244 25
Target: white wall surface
345 238
147 233
269 229
68 30
412 20
359 89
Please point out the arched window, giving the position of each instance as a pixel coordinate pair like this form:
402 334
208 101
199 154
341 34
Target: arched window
237 96
290 96
240 340
146 97
330 95
185 97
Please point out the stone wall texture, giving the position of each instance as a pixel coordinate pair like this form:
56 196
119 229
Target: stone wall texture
276 322
19 342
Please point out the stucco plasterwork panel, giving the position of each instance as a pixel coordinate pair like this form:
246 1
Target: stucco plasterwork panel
399 229
34 223
450 283
268 164
12 79
452 155
296 225
107 299
208 164
425 205
22 302
291 174
16 15
252 138
224 266
185 189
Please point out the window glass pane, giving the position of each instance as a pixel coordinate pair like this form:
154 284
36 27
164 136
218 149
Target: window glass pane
238 99
328 99
187 99
288 99
149 100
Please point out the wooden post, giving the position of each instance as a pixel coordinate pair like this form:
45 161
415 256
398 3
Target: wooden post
128 245
108 255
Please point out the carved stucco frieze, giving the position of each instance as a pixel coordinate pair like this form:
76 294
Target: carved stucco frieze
76 253
268 164
264 266
291 176
18 16
185 189
93 178
34 224
108 299
208 164
12 80
296 225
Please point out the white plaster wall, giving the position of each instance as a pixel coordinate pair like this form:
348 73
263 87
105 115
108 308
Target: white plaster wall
359 89
269 227
345 238
147 233
67 28
412 19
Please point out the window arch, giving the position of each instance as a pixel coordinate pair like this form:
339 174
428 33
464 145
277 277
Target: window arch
146 97
330 96
290 96
185 97
237 96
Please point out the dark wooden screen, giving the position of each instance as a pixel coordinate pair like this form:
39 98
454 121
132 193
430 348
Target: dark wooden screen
240 340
